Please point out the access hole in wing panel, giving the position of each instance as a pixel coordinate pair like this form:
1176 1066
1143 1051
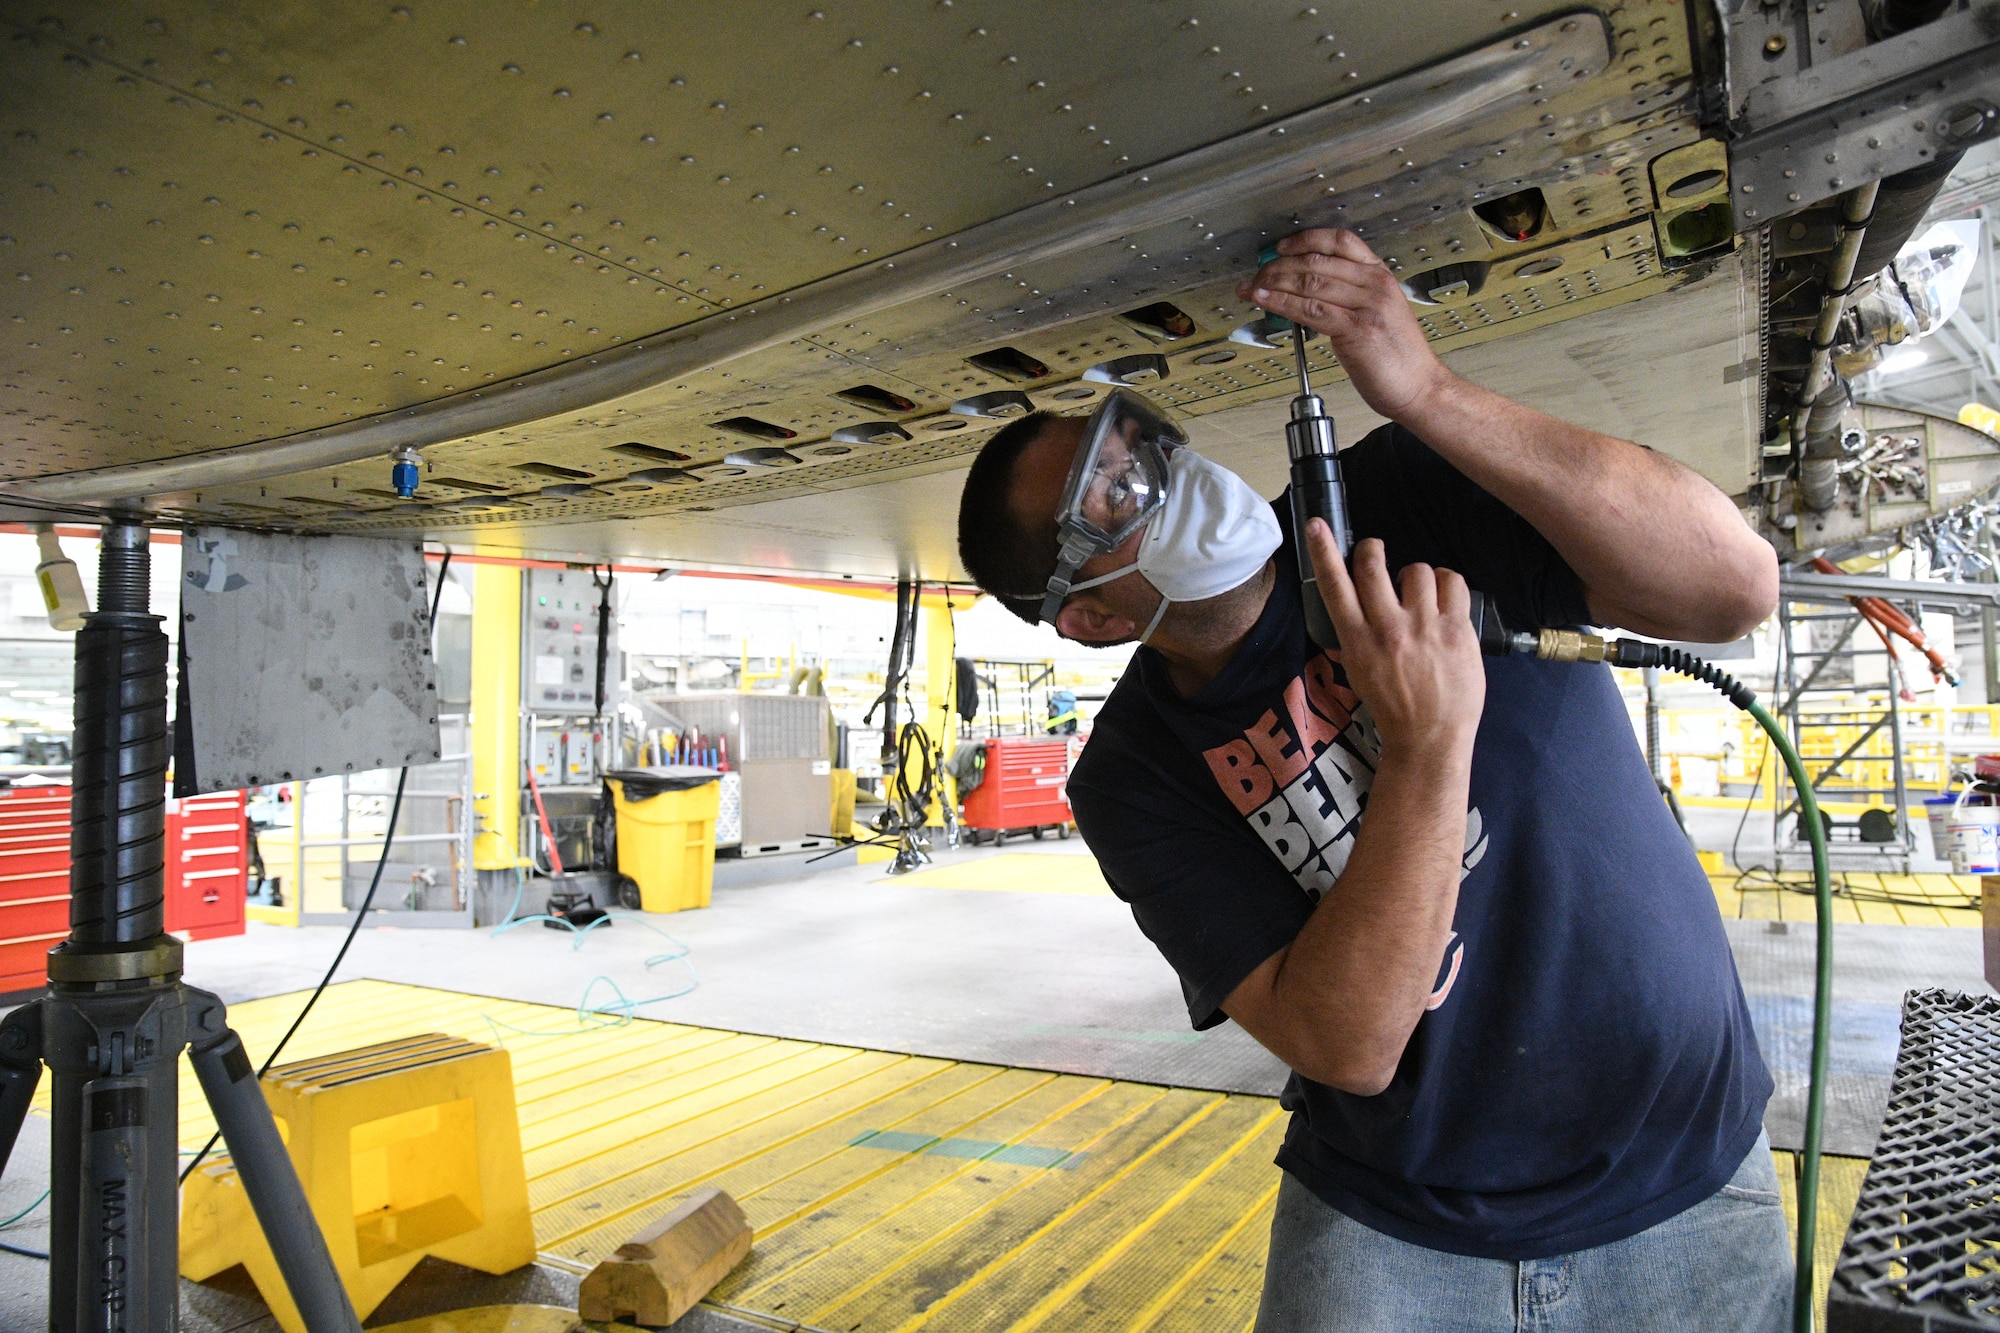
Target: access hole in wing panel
876 399
1010 363
554 470
652 453
756 429
1514 217
1162 321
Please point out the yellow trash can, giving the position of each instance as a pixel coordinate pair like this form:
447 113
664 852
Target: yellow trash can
840 819
666 833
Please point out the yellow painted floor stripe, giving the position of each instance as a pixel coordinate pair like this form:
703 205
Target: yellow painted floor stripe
820 1192
1859 897
1131 1236
1001 1221
996 1266
910 1204
760 1160
1018 872
1159 1305
888 1250
715 1142
1230 1199
1157 1223
1076 1242
1839 1188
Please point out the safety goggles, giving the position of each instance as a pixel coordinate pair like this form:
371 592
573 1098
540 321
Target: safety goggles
1117 483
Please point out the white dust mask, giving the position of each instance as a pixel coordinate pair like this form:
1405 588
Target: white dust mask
1212 534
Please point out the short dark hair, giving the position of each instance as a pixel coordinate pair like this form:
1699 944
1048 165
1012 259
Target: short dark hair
1006 559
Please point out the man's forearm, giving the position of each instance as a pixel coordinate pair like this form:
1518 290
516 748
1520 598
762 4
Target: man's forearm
1658 548
1340 1003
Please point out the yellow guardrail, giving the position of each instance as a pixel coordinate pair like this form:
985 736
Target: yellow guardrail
1934 738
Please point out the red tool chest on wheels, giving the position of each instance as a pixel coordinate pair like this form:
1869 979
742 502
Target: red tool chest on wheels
207 869
1024 787
34 882
208 865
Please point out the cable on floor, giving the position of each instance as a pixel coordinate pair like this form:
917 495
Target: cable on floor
1759 879
25 1211
621 1009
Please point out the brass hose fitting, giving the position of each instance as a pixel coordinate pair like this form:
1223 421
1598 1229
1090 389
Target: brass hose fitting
1568 645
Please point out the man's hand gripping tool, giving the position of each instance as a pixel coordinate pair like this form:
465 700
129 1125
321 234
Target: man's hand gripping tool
1317 492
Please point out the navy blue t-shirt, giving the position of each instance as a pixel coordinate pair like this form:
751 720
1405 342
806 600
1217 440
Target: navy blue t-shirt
1586 1067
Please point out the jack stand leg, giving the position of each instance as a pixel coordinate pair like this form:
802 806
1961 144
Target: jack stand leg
114 1252
910 854
116 1017
231 1086
20 1071
113 1023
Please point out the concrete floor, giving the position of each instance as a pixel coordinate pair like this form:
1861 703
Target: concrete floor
849 955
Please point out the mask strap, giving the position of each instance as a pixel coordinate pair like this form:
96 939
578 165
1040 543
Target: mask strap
1102 579
1158 616
1076 549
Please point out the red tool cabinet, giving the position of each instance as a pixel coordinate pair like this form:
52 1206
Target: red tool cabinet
208 865
34 882
1025 785
207 868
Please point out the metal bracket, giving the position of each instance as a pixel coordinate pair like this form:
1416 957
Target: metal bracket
157 957
1883 109
1832 589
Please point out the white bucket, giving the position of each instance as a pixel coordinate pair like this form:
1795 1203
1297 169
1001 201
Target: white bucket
1972 837
1938 809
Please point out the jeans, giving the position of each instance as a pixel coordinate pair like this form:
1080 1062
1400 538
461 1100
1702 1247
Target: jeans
1723 1266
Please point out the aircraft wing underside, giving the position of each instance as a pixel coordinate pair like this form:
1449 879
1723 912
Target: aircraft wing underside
748 287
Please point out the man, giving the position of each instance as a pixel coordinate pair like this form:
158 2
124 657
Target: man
1526 1093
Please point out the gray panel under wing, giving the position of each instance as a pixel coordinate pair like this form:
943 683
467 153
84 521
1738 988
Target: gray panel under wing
304 656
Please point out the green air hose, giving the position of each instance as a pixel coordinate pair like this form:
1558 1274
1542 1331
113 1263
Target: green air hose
1570 646
1808 1174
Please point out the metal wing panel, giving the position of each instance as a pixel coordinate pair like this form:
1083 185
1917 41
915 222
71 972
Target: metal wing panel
532 153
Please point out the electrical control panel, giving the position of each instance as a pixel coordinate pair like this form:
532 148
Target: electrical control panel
545 755
562 751
559 645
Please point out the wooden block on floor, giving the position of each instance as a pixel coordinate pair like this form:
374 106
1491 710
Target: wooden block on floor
658 1275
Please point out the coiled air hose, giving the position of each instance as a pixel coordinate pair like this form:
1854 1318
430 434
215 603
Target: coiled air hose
1571 646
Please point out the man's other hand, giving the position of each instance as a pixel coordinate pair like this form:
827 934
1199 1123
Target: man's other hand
1339 1003
1414 660
1329 280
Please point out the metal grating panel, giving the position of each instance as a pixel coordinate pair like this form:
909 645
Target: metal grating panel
758 726
1923 1251
729 813
784 726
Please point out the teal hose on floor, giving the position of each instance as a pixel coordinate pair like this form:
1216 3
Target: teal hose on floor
1808 1174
